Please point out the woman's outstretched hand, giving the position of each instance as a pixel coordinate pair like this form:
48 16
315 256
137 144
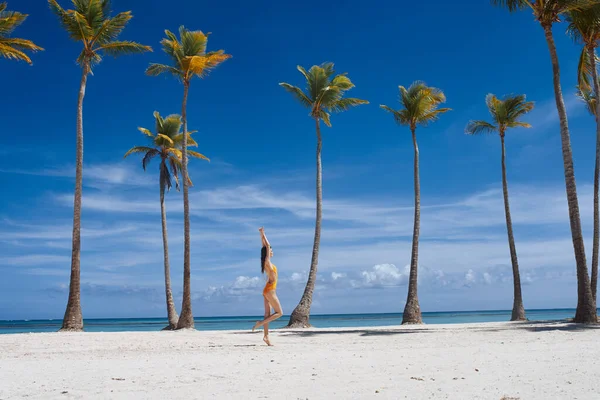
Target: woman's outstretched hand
261 229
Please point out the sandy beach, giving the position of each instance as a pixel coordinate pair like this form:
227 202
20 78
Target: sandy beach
475 361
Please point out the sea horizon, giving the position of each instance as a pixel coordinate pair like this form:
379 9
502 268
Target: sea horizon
226 323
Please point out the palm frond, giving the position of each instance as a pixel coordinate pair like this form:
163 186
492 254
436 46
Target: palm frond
197 155
171 125
178 140
589 98
158 69
325 117
165 138
432 116
174 152
175 166
13 54
111 28
165 175
146 132
85 30
343 82
120 48
398 117
10 20
513 5
297 93
66 20
584 70
138 149
478 127
20 44
346 104
192 42
518 124
148 157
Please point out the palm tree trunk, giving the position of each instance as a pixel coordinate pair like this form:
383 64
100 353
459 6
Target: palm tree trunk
186 319
171 312
73 319
301 314
412 310
586 309
518 311
594 281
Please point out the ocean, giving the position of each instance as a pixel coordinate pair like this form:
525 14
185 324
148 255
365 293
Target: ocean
319 321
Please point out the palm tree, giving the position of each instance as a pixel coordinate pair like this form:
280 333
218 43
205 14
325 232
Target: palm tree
324 94
547 12
420 107
14 48
188 58
166 143
505 114
584 28
89 23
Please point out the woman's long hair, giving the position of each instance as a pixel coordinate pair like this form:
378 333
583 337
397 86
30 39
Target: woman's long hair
263 257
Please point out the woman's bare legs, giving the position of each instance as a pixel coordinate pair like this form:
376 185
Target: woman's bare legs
271 297
266 326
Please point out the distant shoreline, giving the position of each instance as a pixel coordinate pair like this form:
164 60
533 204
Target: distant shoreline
241 323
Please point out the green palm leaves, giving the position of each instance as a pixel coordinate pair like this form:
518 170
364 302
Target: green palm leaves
547 12
584 29
91 24
167 143
420 105
188 55
324 92
14 48
505 114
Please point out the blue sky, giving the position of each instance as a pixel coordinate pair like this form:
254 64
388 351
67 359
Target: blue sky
262 144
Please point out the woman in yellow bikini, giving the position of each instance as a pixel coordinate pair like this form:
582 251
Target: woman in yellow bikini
270 297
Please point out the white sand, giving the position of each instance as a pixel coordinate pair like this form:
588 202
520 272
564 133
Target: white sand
479 361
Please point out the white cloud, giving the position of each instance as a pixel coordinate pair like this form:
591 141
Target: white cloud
384 275
336 275
469 277
245 282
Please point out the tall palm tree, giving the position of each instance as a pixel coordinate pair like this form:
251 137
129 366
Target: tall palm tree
420 107
547 12
584 28
91 24
166 143
188 59
14 48
506 114
324 94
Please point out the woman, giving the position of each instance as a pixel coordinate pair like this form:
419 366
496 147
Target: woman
270 297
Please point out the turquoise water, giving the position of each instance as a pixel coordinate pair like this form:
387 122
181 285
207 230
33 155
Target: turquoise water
319 321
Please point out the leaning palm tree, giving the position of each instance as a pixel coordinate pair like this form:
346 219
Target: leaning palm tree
188 59
506 114
547 12
14 48
324 94
584 28
91 24
420 107
166 143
